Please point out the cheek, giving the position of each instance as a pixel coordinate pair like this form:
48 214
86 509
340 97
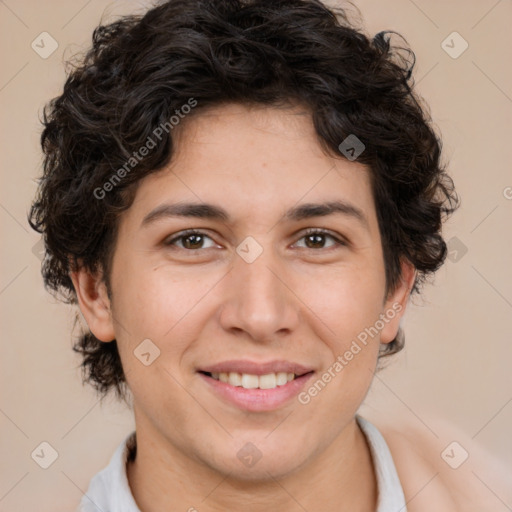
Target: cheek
162 306
347 302
350 309
356 303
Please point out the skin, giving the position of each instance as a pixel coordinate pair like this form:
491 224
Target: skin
300 300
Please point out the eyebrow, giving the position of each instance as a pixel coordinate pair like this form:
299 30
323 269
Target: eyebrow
213 212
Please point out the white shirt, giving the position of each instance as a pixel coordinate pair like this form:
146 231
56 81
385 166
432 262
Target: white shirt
109 490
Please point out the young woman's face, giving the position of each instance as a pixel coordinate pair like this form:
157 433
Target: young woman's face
251 294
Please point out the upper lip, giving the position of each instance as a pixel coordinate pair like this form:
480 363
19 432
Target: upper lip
257 368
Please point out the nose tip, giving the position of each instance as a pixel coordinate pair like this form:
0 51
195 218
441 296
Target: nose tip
259 302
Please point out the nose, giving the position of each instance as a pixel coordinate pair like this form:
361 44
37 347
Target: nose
260 300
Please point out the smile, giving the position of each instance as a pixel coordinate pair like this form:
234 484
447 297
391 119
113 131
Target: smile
256 387
251 381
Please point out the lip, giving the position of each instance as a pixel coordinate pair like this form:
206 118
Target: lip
256 400
257 368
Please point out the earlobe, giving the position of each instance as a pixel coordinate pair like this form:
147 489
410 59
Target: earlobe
396 303
94 303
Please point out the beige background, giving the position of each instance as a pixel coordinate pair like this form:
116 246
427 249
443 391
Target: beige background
458 355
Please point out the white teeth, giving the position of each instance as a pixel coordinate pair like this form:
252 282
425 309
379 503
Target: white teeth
268 381
235 379
249 381
281 378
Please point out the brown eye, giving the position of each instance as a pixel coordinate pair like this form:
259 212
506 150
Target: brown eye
190 240
315 239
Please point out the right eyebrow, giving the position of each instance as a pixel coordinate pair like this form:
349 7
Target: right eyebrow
197 210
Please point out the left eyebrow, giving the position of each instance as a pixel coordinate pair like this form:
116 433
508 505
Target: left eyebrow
297 213
310 210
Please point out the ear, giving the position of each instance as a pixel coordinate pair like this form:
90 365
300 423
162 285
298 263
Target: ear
94 303
396 302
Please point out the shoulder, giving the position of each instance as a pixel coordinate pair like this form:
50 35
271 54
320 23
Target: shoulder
445 471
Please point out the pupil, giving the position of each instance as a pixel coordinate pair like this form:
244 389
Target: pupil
189 237
318 239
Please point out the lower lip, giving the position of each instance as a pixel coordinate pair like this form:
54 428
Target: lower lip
257 400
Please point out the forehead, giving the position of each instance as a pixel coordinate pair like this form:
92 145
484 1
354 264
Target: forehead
254 162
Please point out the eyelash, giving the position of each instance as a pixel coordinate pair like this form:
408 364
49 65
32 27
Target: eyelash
308 232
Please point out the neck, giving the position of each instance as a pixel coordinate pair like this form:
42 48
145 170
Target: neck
342 477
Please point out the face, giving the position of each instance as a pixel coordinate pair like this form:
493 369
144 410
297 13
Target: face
264 286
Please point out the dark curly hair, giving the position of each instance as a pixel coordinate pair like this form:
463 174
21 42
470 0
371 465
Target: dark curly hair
141 70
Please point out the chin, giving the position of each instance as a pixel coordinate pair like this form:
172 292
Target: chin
249 461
